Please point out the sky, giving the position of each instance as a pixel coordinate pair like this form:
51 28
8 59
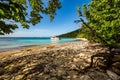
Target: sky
62 23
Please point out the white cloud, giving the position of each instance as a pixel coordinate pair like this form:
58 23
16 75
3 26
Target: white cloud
29 33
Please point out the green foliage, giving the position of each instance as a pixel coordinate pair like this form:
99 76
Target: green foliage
79 12
17 10
79 33
103 17
6 28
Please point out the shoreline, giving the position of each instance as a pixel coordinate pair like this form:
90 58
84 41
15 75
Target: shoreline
16 50
9 51
27 46
63 61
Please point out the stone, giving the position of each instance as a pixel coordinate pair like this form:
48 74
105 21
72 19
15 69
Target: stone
97 75
37 78
117 64
85 77
116 58
116 50
116 67
2 71
50 47
112 75
116 70
53 78
73 66
1 79
19 77
75 59
81 55
61 72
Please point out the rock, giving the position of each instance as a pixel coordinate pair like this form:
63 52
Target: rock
117 64
28 49
81 55
73 66
116 58
61 72
50 47
85 77
53 78
97 75
37 78
75 59
1 79
112 75
19 77
2 71
116 50
116 68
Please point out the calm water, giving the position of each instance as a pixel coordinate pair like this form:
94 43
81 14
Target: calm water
12 42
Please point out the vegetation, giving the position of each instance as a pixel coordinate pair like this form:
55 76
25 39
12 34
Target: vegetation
74 34
83 32
16 11
103 26
103 21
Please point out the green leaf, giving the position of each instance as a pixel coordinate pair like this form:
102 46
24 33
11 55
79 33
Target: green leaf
103 18
79 12
1 12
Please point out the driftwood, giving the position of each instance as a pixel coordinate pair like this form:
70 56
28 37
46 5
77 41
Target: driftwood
106 58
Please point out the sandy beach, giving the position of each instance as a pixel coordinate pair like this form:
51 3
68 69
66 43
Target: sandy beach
63 61
17 50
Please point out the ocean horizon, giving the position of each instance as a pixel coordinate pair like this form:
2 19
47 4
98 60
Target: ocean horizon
15 42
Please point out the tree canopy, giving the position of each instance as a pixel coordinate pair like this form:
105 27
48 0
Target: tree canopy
16 11
103 18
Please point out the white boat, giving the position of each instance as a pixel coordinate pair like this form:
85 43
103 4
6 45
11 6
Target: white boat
55 38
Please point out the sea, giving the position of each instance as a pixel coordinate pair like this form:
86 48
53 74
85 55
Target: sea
16 42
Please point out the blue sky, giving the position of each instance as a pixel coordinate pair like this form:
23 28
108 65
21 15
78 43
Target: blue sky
63 22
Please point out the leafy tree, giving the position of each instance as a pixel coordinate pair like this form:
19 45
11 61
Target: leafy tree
16 11
103 18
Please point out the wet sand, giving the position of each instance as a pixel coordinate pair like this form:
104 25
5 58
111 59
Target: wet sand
17 50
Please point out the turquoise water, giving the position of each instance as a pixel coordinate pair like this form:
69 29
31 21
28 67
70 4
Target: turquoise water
12 42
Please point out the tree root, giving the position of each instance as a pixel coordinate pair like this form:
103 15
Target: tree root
105 59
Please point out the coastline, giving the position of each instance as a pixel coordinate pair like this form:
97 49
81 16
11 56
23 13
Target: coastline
16 50
9 51
25 46
62 61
